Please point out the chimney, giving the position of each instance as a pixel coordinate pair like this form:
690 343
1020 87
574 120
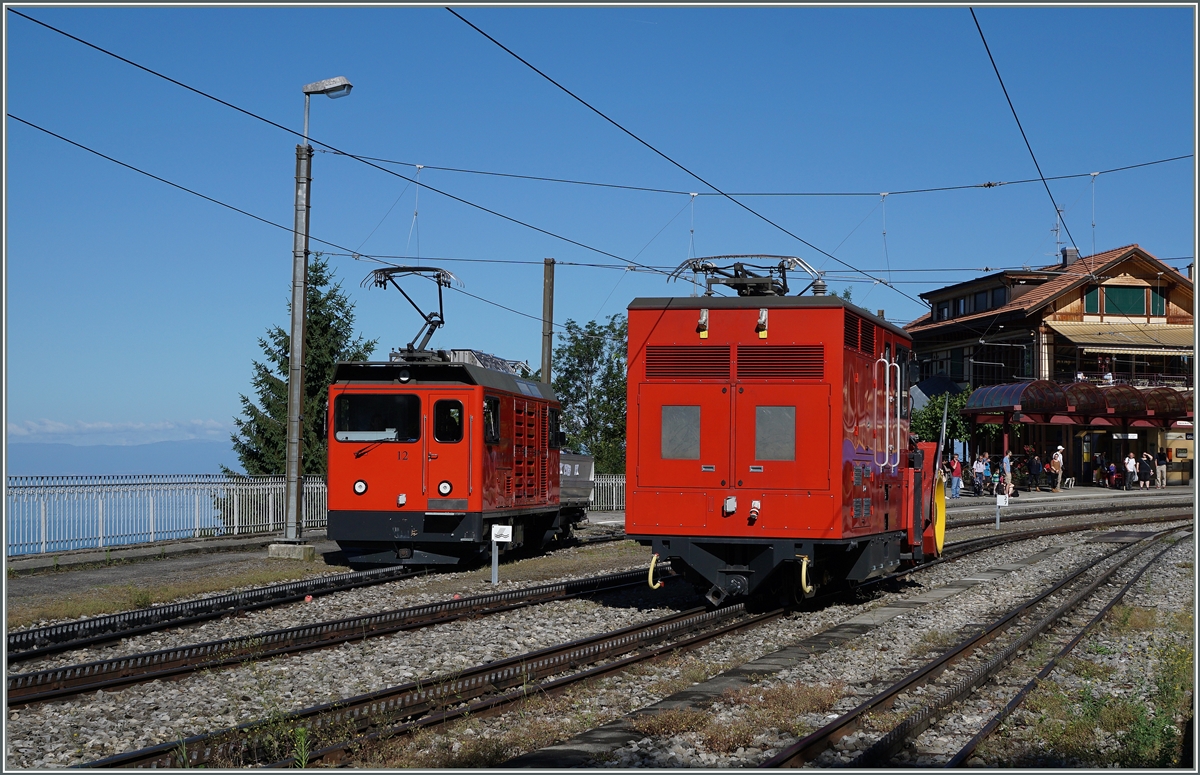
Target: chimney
1069 256
880 314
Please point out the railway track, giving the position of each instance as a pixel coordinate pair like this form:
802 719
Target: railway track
385 715
42 641
119 672
392 710
922 679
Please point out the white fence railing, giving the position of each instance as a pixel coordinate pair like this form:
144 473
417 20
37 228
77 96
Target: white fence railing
59 513
45 514
609 493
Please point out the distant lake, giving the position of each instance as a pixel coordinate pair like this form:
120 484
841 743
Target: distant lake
163 457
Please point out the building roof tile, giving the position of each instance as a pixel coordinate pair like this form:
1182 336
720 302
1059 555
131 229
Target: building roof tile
1075 272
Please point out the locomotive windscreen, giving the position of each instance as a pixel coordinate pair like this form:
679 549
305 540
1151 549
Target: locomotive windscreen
377 417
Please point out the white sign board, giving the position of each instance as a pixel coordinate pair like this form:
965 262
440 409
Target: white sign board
502 533
1001 500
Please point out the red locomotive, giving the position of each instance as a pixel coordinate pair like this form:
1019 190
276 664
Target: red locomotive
431 449
768 438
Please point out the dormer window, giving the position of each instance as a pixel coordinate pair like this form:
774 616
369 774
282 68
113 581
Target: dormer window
999 296
960 307
943 310
981 301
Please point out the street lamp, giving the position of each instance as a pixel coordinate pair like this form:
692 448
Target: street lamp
332 87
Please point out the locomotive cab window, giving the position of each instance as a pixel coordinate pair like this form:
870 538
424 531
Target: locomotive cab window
377 417
681 433
555 424
491 420
774 433
448 421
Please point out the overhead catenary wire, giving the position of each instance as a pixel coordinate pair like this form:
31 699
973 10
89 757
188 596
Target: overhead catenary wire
680 192
1018 120
318 142
740 204
347 252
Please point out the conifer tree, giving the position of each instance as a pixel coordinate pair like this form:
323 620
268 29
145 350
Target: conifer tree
261 437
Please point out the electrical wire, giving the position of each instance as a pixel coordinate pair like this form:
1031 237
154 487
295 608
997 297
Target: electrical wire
1018 120
674 192
356 255
330 147
740 204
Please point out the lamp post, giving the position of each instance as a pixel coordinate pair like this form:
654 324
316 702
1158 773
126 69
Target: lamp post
332 87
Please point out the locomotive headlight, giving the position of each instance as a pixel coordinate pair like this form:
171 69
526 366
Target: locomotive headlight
404 375
360 487
444 488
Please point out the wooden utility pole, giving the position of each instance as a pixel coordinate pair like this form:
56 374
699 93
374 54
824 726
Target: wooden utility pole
547 319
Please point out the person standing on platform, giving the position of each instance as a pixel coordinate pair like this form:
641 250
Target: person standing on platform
1006 468
1056 469
955 475
1145 470
977 469
1131 476
1160 470
1035 472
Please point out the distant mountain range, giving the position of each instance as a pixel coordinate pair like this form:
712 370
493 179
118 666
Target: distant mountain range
163 457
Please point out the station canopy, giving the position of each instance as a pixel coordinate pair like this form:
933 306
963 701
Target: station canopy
1043 402
1128 338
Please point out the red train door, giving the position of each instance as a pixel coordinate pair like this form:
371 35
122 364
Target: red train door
448 451
782 437
683 435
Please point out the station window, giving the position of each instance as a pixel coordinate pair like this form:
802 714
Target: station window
960 307
774 433
1120 300
1158 303
491 420
943 310
448 421
377 417
681 433
999 297
981 301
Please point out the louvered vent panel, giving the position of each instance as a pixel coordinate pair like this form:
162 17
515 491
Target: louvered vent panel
852 321
867 340
687 362
544 466
781 362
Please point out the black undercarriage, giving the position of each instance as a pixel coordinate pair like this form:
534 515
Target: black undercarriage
796 569
377 538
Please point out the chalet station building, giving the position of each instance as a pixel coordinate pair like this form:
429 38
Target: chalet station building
1094 353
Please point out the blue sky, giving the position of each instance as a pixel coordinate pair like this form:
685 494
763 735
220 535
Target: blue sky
133 309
